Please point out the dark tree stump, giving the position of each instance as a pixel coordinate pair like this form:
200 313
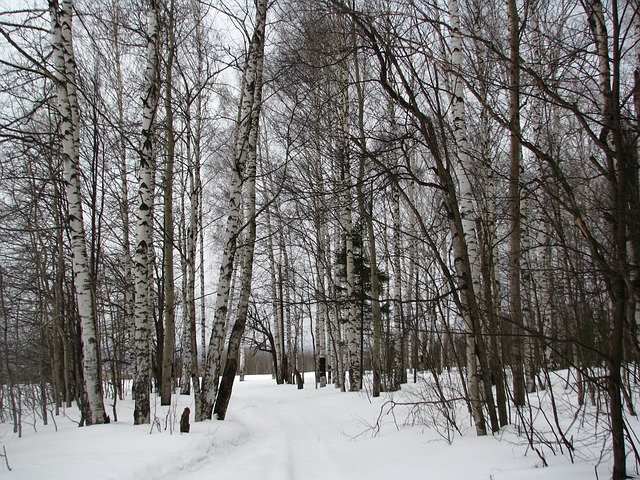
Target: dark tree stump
184 421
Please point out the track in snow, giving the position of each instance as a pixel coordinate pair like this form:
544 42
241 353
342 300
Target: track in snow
276 432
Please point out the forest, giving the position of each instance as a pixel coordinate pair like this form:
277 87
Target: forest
394 188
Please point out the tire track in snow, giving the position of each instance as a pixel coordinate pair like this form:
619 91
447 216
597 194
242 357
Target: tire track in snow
290 441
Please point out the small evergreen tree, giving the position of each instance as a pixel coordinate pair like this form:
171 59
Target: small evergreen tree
362 294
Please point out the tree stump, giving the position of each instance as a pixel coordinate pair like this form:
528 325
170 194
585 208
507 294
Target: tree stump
184 421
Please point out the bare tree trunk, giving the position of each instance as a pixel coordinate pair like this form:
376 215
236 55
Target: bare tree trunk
366 215
334 327
530 340
618 170
487 233
515 300
352 326
353 335
190 355
142 331
211 367
399 365
467 218
199 224
15 408
65 79
187 353
322 309
237 331
541 260
634 191
284 297
243 171
242 367
129 293
248 129
166 386
59 321
277 312
59 339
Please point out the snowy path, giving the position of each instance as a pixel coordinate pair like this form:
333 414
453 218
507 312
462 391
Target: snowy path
290 437
280 433
272 432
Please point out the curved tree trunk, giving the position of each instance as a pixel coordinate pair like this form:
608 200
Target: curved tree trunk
244 170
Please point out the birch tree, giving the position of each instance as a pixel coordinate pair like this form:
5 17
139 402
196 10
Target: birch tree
142 315
168 240
322 309
195 82
367 216
129 294
246 159
399 372
278 330
398 82
65 79
343 162
244 166
487 150
467 235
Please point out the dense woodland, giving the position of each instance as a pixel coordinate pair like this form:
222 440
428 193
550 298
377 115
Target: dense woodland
394 187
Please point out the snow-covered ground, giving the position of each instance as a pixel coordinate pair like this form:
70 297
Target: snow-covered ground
279 432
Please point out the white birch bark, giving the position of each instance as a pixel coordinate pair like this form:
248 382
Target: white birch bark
321 274
538 293
529 340
285 306
244 153
199 211
366 213
424 337
211 367
190 376
187 354
242 364
352 326
185 377
193 231
458 110
277 312
65 78
321 320
129 296
142 316
248 156
467 213
399 370
322 309
334 326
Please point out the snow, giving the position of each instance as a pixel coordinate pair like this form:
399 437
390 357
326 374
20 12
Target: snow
279 432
